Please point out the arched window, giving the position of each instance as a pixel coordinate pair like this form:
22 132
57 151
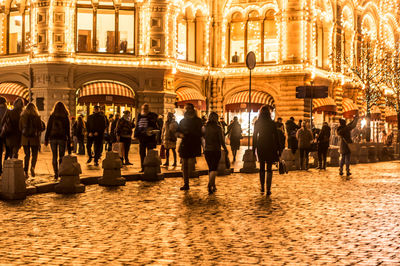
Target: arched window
271 43
347 35
186 37
15 28
253 34
388 39
105 27
236 34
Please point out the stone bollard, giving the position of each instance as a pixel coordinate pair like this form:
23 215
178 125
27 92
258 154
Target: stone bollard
372 153
69 173
334 156
289 159
152 169
222 170
112 165
363 154
13 180
354 149
249 162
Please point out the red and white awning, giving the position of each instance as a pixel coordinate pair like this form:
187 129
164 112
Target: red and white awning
239 102
349 108
11 91
189 94
326 105
104 92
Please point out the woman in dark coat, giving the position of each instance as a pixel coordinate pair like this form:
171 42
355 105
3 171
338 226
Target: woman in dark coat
189 130
31 127
79 131
266 143
13 134
323 145
235 135
214 140
58 133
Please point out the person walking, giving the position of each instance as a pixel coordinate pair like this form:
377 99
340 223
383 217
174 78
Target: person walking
266 144
304 138
281 135
79 133
169 137
3 110
190 130
235 135
160 125
214 138
113 126
58 134
323 140
123 131
146 132
223 124
291 130
74 142
11 131
96 126
107 134
31 126
344 132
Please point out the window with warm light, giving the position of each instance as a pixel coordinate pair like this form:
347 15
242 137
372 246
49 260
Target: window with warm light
105 41
271 42
15 33
236 33
254 34
85 30
181 49
3 36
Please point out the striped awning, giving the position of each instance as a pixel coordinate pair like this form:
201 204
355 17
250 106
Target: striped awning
362 111
349 108
375 110
326 105
189 94
239 101
391 115
106 88
11 91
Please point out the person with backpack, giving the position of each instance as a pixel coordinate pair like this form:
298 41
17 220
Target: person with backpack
344 132
235 135
58 134
169 137
10 129
323 139
214 139
31 127
3 110
96 127
124 132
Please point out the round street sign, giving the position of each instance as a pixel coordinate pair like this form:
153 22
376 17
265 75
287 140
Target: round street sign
251 60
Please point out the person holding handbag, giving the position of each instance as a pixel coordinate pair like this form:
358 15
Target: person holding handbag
169 137
123 131
344 132
266 144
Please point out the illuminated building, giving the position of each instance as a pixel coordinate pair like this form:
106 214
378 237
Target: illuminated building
83 51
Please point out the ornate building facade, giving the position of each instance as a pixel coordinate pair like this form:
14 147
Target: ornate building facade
122 53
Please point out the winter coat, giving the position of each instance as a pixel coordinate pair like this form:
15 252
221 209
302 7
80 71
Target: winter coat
58 128
291 130
96 122
344 132
3 111
169 134
235 135
304 137
38 127
266 140
144 124
190 126
282 140
324 137
213 137
78 129
124 128
13 138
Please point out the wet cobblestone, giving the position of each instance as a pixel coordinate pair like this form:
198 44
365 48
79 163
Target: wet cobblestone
311 218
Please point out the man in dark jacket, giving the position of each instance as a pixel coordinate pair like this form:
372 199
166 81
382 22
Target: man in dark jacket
323 139
291 129
190 131
3 110
344 132
146 132
96 125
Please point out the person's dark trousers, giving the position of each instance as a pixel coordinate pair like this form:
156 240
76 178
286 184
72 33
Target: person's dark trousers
345 160
304 153
234 152
143 148
28 150
167 155
81 145
269 176
127 145
7 154
89 144
1 155
12 152
292 144
58 150
322 153
98 147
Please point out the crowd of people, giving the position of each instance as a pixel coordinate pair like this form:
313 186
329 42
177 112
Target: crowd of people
23 126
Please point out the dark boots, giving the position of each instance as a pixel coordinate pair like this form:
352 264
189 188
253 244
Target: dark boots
269 182
262 182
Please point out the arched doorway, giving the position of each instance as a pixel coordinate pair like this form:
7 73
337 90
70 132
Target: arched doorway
114 97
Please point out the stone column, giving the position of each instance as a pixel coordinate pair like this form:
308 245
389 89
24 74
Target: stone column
294 35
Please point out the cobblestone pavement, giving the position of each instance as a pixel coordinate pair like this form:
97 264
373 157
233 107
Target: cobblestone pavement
311 218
